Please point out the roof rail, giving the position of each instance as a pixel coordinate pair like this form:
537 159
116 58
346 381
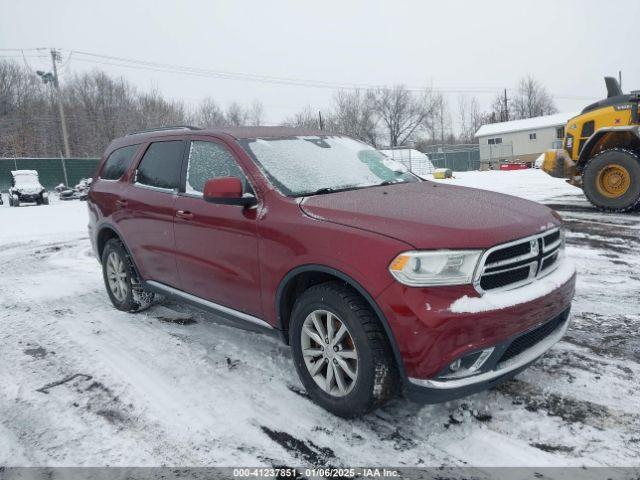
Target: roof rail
160 129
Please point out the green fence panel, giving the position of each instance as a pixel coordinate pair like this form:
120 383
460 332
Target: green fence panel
50 170
459 158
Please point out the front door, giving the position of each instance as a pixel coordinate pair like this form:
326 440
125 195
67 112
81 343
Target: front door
148 209
216 245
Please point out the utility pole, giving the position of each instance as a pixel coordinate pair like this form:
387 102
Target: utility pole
506 106
442 121
53 79
320 122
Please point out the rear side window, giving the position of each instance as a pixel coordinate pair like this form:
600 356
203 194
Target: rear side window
161 164
209 160
118 162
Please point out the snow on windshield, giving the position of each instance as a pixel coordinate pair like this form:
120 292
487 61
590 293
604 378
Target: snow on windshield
301 165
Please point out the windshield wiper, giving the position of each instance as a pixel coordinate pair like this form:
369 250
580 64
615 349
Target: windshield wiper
322 191
325 190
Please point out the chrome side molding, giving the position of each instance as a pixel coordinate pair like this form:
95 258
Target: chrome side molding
206 304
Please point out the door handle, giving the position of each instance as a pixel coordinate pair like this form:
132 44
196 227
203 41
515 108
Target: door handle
121 203
186 215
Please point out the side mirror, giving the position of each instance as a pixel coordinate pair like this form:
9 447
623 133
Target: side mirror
227 191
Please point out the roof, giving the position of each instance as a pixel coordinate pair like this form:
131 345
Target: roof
546 121
236 132
24 172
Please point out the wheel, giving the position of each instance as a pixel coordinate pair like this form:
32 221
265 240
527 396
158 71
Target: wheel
14 201
611 180
45 200
121 280
341 351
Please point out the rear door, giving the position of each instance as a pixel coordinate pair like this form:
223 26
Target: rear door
148 210
216 245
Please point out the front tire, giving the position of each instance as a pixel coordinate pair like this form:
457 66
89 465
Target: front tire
351 370
611 180
121 279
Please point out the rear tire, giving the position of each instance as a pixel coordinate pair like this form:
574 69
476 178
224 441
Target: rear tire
611 180
376 377
14 201
45 200
121 279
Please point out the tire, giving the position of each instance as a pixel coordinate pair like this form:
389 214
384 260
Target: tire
45 200
129 296
376 377
14 201
592 183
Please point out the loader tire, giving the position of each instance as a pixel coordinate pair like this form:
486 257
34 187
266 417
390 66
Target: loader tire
611 180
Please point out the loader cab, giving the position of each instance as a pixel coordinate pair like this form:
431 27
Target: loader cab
617 110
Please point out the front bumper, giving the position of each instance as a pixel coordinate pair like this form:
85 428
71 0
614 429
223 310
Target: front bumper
433 327
29 197
499 366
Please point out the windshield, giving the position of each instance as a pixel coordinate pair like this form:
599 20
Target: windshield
308 165
26 179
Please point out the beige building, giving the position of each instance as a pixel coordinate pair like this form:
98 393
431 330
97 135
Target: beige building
520 140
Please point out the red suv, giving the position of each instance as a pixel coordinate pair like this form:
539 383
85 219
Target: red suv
380 281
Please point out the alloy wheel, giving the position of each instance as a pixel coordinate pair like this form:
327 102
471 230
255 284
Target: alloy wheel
329 352
117 276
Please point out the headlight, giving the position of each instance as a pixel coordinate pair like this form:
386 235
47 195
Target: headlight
437 267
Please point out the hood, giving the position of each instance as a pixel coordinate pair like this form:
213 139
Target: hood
430 215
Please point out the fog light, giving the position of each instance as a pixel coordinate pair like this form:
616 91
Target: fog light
468 365
455 365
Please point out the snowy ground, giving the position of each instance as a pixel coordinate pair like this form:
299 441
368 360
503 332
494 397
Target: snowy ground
155 392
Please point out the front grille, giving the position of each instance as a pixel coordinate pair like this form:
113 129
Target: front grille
529 339
499 280
509 252
520 262
551 238
549 262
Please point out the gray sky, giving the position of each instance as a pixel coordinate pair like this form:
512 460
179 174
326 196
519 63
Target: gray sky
449 45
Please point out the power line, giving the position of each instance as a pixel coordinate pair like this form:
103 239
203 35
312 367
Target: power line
292 81
122 62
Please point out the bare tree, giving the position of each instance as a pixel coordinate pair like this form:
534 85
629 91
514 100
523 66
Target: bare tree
532 99
236 115
471 118
208 114
256 113
402 112
354 115
502 109
306 118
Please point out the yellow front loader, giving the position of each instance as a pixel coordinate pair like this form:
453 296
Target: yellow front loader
601 151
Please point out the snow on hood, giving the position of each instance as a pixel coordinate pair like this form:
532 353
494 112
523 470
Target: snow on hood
430 215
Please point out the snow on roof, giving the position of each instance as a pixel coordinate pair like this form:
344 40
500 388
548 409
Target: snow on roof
402 153
24 172
525 124
413 159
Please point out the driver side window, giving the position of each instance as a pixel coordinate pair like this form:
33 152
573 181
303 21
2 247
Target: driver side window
209 160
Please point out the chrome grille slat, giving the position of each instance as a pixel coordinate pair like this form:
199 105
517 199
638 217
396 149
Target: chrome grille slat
490 277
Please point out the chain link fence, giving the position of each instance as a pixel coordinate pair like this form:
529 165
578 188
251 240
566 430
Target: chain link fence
52 171
459 158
